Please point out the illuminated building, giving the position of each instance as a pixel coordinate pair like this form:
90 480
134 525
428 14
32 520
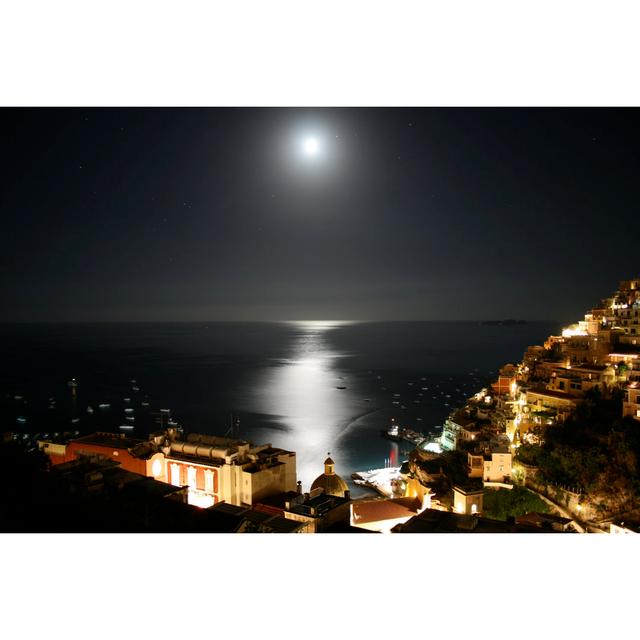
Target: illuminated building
457 427
468 499
213 468
133 454
330 483
560 402
506 380
224 469
578 379
490 465
631 403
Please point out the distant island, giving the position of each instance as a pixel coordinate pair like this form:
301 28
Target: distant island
507 322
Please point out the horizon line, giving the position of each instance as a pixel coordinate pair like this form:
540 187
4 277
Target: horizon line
345 320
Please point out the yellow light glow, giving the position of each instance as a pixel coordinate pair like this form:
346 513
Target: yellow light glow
200 499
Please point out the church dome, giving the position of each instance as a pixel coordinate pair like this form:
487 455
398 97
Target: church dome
329 481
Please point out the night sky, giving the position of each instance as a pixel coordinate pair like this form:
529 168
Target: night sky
218 214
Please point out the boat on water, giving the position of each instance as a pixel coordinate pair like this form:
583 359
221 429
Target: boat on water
135 388
341 387
397 434
144 404
72 383
393 432
104 405
89 409
126 427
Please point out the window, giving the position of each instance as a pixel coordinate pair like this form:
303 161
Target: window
191 477
175 474
208 481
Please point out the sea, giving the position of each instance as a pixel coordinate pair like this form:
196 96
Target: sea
313 387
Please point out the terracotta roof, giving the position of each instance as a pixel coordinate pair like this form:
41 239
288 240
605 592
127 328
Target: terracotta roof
552 394
391 509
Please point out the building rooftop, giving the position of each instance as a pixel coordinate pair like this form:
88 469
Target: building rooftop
470 488
377 510
193 459
112 440
462 420
560 395
540 519
598 368
435 521
215 441
628 523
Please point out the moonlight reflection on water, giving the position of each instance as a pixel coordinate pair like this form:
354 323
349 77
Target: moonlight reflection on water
301 393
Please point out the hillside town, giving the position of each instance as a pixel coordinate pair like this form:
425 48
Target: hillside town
550 446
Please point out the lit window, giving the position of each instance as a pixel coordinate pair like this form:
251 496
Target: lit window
191 477
208 481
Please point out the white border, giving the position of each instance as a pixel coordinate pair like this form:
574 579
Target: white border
347 52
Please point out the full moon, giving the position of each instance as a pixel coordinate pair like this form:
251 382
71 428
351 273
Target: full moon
310 146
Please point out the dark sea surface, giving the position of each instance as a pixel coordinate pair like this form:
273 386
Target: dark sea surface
281 379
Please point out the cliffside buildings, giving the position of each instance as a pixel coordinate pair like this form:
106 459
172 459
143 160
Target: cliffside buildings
598 354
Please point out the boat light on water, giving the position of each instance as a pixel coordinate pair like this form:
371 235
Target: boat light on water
104 406
126 427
